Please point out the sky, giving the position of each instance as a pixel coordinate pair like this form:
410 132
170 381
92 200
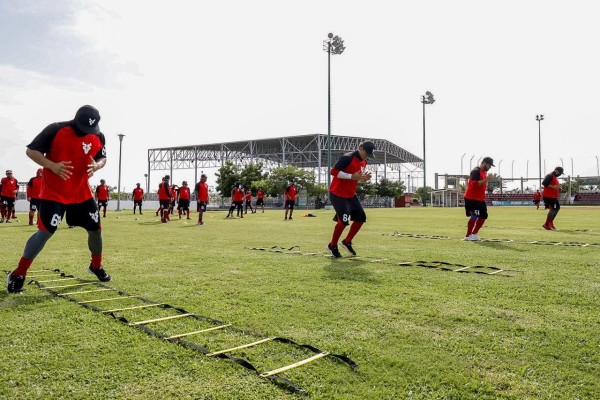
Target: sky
196 72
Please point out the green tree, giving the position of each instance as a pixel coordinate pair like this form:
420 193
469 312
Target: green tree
423 193
251 173
228 174
387 188
494 182
279 177
365 188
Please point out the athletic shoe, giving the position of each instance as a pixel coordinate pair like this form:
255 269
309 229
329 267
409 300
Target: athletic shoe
1 220
8 221
334 251
348 246
14 284
14 217
201 223
290 218
547 227
472 238
100 274
552 225
31 223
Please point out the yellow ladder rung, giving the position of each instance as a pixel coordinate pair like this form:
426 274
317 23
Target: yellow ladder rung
215 353
133 307
299 363
214 328
39 276
57 280
160 319
461 269
495 272
33 271
64 286
84 291
107 299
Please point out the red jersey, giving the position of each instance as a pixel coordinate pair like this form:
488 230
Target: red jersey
537 196
260 194
184 193
164 192
237 194
138 194
34 187
202 191
474 190
10 187
349 163
550 179
291 192
59 142
102 193
248 196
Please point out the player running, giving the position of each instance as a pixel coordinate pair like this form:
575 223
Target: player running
475 206
536 199
347 172
8 196
201 191
102 196
183 200
260 199
70 153
551 193
34 186
138 198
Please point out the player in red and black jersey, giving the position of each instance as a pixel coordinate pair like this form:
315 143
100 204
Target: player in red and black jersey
8 195
551 193
201 191
138 197
290 198
347 172
183 200
34 187
175 193
260 199
165 196
70 152
237 200
102 196
475 206
248 202
537 196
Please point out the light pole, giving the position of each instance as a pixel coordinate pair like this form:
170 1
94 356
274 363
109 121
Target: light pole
597 167
499 166
334 45
527 171
427 98
461 163
119 185
512 169
539 119
147 183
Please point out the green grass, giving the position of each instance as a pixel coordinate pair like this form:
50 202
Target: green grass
415 333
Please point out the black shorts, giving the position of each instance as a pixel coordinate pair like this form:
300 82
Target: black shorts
237 204
476 207
8 201
102 203
201 206
183 204
348 209
289 204
34 204
248 203
550 203
165 204
536 202
260 202
137 203
83 214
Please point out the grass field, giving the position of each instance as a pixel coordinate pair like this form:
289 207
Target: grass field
416 333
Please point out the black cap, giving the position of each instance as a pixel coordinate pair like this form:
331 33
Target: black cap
559 170
87 119
488 160
368 146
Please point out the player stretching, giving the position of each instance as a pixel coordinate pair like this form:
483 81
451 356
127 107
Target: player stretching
70 153
34 186
551 193
260 199
347 172
290 199
475 206
138 197
248 202
102 196
201 191
10 188
183 200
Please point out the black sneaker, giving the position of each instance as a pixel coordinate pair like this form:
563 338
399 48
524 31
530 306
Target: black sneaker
348 246
14 284
334 251
100 274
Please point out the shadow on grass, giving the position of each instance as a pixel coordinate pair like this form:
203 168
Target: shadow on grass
500 246
348 270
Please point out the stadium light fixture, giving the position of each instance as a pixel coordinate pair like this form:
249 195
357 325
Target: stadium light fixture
470 161
461 163
121 136
333 45
539 118
427 98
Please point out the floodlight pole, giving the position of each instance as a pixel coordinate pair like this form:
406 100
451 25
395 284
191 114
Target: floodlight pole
499 167
539 119
147 183
425 99
461 163
119 185
334 45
